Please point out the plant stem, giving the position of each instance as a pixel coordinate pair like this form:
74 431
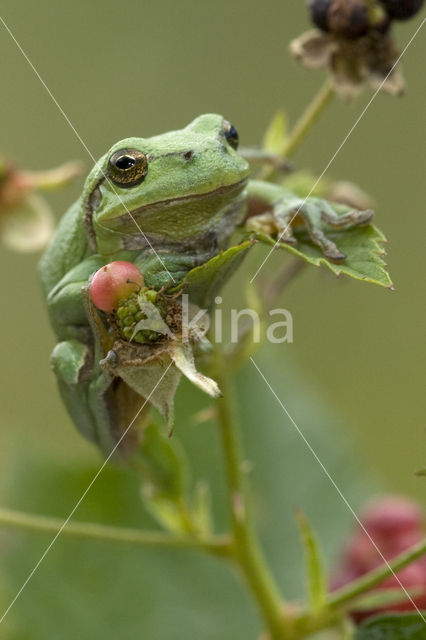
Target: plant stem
286 275
336 606
376 577
246 549
304 124
93 531
308 118
245 347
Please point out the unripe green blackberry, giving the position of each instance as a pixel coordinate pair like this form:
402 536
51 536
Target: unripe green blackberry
319 13
129 313
402 9
349 18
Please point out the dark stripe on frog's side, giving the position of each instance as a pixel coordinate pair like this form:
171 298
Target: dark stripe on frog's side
88 212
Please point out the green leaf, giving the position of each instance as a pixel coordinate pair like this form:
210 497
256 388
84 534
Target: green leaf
276 133
166 512
204 282
304 184
201 508
163 463
361 245
314 563
123 592
393 627
164 468
421 472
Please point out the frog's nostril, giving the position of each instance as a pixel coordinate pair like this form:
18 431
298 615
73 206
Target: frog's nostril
188 155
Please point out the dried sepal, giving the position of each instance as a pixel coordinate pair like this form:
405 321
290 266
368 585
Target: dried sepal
353 64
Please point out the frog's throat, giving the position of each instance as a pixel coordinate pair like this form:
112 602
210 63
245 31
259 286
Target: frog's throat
232 214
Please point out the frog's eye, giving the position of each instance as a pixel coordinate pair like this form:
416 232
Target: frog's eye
231 134
127 167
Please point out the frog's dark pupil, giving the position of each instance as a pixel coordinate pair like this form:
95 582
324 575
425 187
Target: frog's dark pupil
231 134
125 162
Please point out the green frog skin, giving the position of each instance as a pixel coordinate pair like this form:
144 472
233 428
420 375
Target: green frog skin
167 204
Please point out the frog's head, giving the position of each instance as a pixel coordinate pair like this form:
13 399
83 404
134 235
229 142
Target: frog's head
175 188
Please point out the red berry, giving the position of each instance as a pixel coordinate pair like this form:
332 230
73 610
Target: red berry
113 282
360 554
392 516
394 524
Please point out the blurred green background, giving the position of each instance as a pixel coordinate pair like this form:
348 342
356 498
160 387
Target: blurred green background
355 370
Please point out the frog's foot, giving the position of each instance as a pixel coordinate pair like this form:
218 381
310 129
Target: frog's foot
313 213
353 218
316 211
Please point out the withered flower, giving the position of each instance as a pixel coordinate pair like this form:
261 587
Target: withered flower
354 42
152 335
26 220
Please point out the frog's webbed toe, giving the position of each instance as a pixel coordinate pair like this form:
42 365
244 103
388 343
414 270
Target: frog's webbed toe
315 214
312 217
353 218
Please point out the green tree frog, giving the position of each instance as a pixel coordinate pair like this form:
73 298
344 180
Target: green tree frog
169 204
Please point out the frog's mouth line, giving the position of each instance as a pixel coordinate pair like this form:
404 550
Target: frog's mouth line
135 214
170 202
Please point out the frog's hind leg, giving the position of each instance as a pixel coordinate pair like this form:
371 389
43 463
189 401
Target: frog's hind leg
314 212
102 407
71 362
311 214
312 218
284 216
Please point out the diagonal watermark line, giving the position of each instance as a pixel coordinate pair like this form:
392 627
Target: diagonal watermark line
78 503
342 144
83 144
333 482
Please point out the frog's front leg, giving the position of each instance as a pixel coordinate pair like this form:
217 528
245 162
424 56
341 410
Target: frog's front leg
100 405
274 210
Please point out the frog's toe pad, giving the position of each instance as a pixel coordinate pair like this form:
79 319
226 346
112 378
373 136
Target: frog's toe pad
333 254
363 218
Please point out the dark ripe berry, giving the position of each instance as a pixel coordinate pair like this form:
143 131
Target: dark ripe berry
348 18
319 10
402 9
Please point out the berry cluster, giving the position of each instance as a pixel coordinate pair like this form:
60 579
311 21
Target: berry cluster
129 313
353 19
395 524
118 289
